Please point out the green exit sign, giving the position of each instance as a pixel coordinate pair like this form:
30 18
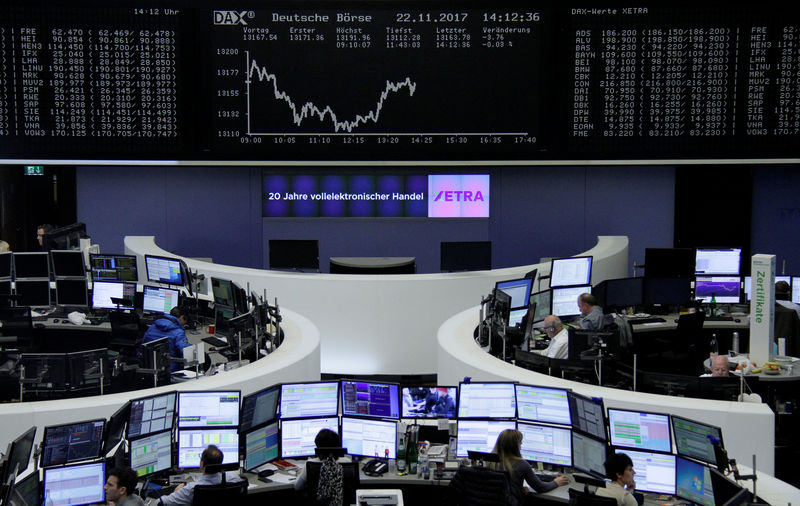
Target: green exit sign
34 170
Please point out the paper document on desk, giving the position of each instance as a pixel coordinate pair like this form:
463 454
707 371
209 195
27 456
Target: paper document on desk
283 478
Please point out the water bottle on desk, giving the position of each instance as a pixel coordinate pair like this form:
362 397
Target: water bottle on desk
712 306
401 456
713 346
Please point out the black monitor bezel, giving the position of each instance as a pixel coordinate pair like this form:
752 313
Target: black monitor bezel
587 289
528 281
13 448
51 427
83 303
554 260
146 397
365 419
402 406
45 256
263 391
572 396
627 449
120 415
566 392
172 452
33 282
371 382
146 288
243 443
675 436
282 416
92 256
678 458
133 300
549 426
171 259
300 420
228 466
77 254
91 463
578 433
177 423
480 417
669 428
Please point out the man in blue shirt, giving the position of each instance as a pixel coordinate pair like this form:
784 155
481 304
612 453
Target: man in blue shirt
170 326
591 313
184 494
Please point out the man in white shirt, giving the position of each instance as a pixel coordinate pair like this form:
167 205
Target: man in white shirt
184 494
559 337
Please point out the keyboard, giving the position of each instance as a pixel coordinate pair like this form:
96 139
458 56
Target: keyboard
215 342
155 494
642 321
719 318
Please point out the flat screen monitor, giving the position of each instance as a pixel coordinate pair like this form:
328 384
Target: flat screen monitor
33 292
67 237
543 404
49 370
294 254
259 408
155 355
545 443
588 415
565 300
31 265
725 289
85 368
515 317
297 435
72 292
302 400
639 429
487 400
151 454
518 289
208 409
570 271
692 439
223 291
621 293
5 287
429 402
501 307
655 472
666 291
796 289
72 442
192 442
222 315
718 261
669 263
26 492
5 264
589 454
480 435
115 428
543 302
260 446
159 300
113 267
370 438
748 286
104 291
465 256
151 414
370 398
693 482
68 263
75 485
19 454
164 270
240 299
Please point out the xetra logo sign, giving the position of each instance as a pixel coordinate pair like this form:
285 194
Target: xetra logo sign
459 196
232 17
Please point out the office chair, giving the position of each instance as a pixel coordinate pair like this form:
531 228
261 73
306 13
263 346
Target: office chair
787 325
479 486
126 331
224 493
583 498
350 482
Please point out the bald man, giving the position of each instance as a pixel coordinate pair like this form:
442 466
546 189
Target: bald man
559 338
719 366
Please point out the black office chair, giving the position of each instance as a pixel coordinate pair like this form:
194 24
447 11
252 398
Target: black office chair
582 498
224 493
787 325
350 482
481 486
126 331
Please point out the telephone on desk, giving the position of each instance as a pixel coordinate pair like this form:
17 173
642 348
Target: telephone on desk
375 467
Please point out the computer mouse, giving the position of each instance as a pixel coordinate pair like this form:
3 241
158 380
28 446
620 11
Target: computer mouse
56 320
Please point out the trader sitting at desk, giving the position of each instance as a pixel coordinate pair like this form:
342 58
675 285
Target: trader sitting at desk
120 487
719 366
619 469
591 313
184 493
559 338
170 326
331 484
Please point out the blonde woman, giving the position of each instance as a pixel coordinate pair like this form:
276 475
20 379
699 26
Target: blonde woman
508 446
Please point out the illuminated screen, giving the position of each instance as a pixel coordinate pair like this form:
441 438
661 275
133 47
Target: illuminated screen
369 438
151 414
309 399
691 439
73 442
297 435
748 282
487 400
429 402
151 454
159 300
75 485
104 291
588 454
570 271
223 292
718 261
543 301
259 408
366 398
542 404
587 415
693 482
208 409
163 270
655 472
260 446
634 429
796 290
515 317
480 435
68 263
113 267
565 300
191 444
518 289
545 443
725 289
31 265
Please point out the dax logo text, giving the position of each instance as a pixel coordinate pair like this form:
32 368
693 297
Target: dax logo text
459 196
230 18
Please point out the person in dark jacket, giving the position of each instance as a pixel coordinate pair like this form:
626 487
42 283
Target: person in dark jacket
170 326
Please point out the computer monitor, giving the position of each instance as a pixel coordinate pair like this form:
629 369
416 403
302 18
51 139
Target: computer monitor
68 263
294 254
655 472
313 399
692 439
164 270
155 356
240 299
115 428
543 404
151 454
620 293
727 492
31 265
72 442
589 454
259 408
209 409
75 485
370 438
429 402
48 369
480 435
693 482
588 415
546 443
297 435
501 307
62 238
570 271
222 290
5 288
515 316
370 398
666 291
724 289
639 429
85 368
6 264
192 442
724 261
107 267
33 292
26 492
518 289
151 414
748 282
465 256
543 302
104 291
261 446
159 300
72 292
669 263
487 400
222 315
18 454
565 300
796 289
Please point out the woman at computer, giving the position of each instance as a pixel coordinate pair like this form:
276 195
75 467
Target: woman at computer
331 481
619 469
507 447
